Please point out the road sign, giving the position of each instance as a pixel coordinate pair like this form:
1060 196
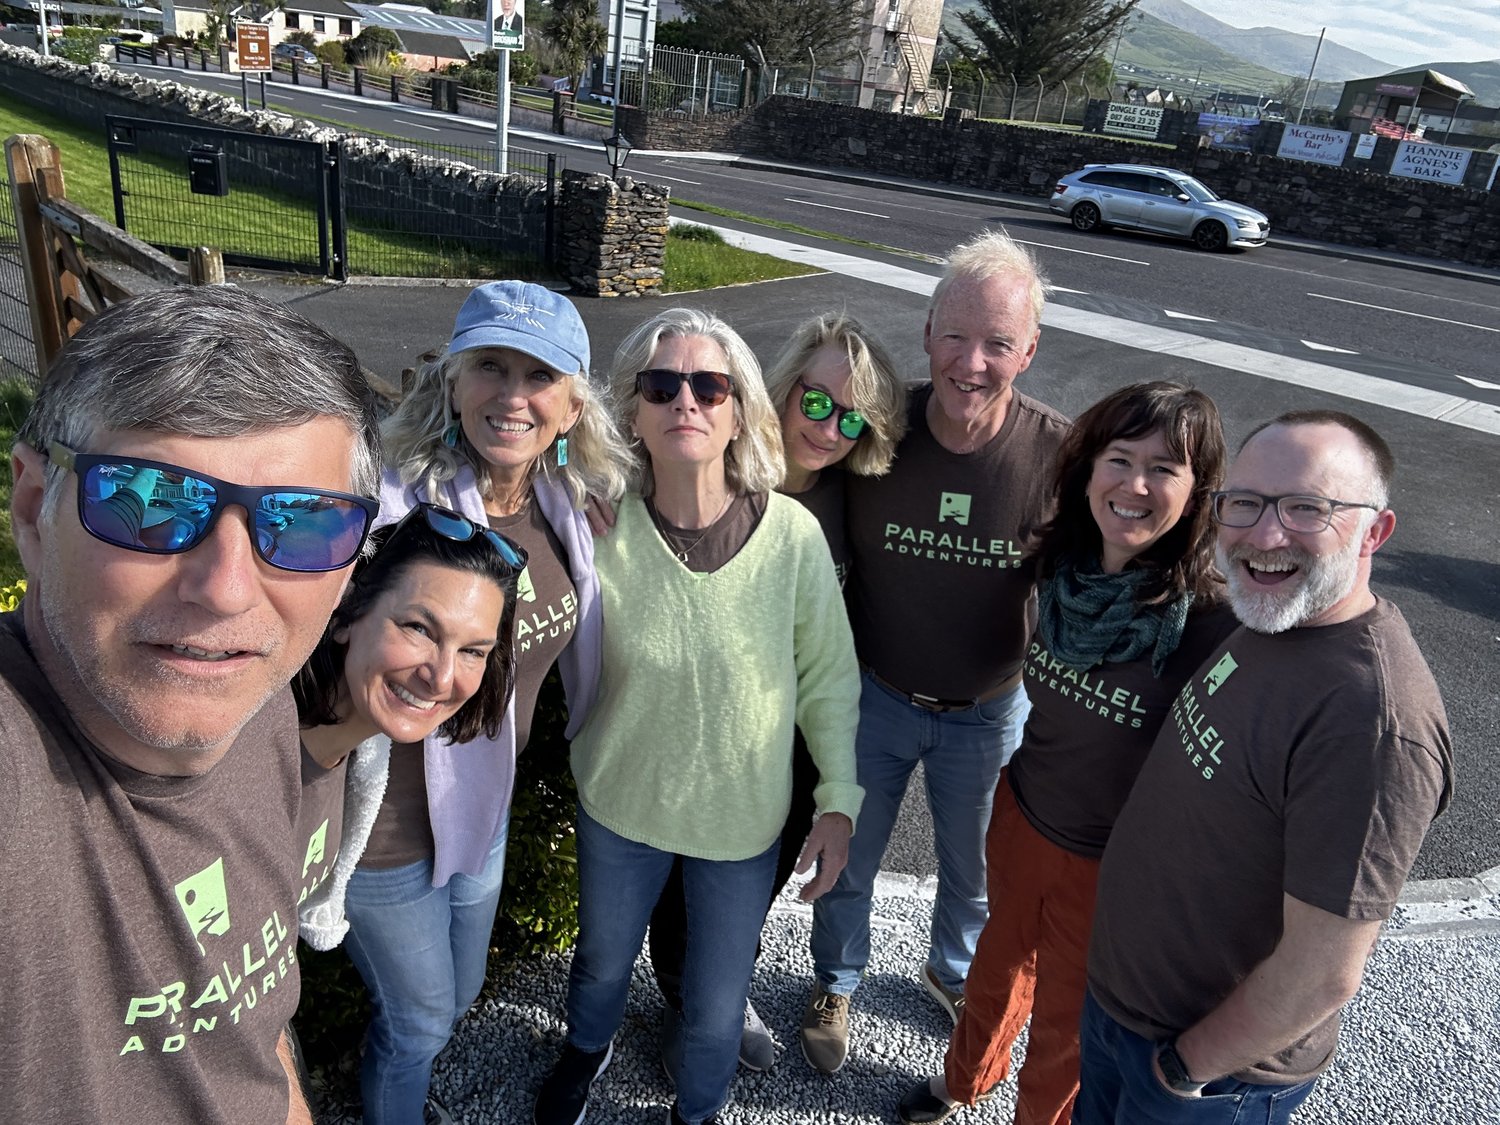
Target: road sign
252 47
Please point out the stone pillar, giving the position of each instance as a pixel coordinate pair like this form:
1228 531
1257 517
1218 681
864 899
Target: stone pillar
613 239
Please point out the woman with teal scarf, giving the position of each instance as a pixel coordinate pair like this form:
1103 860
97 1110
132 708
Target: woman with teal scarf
1129 606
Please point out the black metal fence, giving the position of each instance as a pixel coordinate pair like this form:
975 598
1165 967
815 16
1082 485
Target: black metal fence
17 350
357 205
263 201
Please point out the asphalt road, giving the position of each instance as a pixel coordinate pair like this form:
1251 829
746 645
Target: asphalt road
1390 320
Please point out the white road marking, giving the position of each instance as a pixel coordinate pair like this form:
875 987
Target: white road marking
1317 347
831 207
1319 377
1480 383
1404 312
417 124
1085 253
335 108
1189 316
1060 288
675 179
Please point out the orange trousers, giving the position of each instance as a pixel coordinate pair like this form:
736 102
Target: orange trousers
1032 960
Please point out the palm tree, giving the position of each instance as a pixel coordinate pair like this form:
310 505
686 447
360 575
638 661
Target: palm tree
576 34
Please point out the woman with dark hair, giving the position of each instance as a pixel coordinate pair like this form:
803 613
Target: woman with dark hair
507 428
422 643
1130 604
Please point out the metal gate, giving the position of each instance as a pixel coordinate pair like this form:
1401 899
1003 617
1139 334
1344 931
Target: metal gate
264 201
17 350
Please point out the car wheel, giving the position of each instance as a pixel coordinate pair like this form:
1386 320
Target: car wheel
1210 235
1086 217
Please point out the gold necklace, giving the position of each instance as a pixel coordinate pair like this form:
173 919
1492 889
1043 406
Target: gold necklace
674 544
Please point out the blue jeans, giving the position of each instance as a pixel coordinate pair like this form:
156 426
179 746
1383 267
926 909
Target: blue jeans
961 753
421 951
619 881
1120 1088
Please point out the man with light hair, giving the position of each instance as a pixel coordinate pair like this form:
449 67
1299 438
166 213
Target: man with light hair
938 596
190 488
1280 810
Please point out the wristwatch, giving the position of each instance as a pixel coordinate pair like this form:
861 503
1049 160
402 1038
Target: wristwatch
1174 1072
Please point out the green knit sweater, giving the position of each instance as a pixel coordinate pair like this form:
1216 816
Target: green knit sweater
689 746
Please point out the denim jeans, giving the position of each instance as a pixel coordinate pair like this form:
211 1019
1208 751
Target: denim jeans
961 753
1120 1088
421 951
618 884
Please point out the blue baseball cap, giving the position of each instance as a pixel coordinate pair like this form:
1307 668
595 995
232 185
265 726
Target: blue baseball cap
526 317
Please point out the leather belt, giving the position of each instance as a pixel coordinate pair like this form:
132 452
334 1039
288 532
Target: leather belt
941 706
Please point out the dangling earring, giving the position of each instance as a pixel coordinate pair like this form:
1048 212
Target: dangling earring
562 451
450 435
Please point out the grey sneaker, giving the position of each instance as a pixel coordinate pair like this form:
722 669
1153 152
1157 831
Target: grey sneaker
952 1002
435 1112
920 1106
825 1030
757 1048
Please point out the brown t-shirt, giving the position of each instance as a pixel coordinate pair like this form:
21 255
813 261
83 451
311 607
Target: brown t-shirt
546 615
320 822
710 548
1089 732
1309 763
939 589
825 500
148 924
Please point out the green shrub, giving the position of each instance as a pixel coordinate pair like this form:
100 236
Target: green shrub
10 596
80 44
332 53
691 232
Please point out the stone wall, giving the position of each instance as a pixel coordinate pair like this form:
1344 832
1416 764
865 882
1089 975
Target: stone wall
1344 205
613 235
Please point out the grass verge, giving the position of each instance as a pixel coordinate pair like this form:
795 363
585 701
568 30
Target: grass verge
699 258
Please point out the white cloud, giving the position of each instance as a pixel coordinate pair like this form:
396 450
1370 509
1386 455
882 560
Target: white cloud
1398 31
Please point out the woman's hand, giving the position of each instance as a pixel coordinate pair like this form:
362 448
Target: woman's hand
827 846
600 514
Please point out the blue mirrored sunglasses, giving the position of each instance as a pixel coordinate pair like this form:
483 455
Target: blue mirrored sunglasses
164 509
460 528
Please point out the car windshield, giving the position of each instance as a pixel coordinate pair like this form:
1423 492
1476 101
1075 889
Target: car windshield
1199 192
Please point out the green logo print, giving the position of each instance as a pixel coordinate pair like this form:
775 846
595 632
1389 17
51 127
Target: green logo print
954 506
524 587
205 902
317 846
1220 672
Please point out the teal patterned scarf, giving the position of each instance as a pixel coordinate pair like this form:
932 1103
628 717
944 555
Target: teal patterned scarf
1088 618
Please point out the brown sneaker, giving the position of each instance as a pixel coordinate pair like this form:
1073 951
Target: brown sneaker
825 1030
952 1002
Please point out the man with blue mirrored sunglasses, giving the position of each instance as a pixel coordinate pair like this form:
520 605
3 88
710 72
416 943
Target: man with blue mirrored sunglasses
191 486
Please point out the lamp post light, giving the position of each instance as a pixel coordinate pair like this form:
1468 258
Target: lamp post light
616 151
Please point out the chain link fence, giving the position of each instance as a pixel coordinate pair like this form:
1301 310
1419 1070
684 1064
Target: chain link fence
17 350
686 82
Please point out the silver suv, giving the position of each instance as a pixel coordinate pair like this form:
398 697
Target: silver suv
1160 200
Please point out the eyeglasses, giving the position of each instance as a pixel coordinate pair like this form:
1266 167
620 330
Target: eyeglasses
659 386
460 529
1308 514
818 405
164 509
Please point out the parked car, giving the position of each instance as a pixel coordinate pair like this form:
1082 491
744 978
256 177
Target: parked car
1159 200
294 52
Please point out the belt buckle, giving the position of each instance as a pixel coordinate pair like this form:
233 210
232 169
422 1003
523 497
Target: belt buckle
931 703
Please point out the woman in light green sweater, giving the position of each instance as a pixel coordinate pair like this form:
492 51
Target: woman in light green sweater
724 629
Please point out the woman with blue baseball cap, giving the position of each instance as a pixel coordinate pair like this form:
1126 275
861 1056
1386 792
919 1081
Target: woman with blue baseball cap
505 428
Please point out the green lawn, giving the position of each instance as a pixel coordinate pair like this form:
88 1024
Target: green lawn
698 258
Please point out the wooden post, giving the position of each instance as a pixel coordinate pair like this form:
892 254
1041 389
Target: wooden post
205 266
35 169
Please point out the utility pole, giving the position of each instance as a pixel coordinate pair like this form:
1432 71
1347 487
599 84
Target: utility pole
619 47
1316 51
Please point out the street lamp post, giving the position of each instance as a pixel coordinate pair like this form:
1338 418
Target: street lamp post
616 151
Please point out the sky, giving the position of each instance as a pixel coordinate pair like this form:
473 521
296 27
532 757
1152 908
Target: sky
1403 32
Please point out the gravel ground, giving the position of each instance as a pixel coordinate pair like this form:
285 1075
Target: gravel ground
1421 1042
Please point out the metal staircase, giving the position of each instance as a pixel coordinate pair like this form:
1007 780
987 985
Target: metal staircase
920 95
